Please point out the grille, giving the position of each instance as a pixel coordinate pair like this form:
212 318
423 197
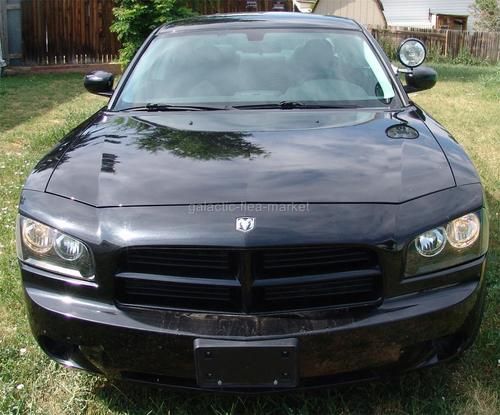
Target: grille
248 280
168 293
206 263
323 293
275 263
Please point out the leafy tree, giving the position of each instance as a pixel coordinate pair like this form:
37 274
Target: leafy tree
487 14
135 19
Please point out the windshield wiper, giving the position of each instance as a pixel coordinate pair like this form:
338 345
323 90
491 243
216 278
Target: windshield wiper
283 105
290 105
171 107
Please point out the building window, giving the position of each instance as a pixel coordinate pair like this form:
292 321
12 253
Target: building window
251 5
446 21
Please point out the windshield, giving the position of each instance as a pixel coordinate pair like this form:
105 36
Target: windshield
258 66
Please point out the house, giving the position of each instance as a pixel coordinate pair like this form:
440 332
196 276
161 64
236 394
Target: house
430 14
367 12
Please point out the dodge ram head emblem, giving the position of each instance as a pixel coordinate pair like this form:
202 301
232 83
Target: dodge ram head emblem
245 224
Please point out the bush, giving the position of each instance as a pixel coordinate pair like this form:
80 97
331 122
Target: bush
135 19
487 15
390 49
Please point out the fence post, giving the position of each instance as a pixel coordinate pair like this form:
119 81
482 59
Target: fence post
3 30
446 43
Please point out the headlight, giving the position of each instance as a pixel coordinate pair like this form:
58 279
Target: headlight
464 231
459 241
47 248
431 243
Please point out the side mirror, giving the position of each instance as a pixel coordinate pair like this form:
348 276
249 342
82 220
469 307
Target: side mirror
99 82
420 79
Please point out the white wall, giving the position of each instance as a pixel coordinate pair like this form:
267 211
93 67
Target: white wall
366 12
415 13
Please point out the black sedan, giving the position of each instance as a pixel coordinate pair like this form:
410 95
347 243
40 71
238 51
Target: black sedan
260 206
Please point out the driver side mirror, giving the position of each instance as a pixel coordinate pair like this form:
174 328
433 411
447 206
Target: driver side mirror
99 82
412 53
420 79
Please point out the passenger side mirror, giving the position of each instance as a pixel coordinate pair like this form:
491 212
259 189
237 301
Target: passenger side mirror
412 53
420 79
99 82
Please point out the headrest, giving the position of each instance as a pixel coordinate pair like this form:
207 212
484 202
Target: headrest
315 54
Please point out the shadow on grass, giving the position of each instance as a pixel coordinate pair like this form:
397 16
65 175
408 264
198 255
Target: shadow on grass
26 96
494 216
417 392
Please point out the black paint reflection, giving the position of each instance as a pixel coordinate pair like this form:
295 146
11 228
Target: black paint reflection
202 146
108 162
190 144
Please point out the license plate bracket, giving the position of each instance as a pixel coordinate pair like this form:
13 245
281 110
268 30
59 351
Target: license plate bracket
246 364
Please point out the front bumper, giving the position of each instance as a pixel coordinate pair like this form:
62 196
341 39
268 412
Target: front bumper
155 346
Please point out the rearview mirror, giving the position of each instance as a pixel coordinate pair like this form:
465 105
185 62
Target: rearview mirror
99 82
420 79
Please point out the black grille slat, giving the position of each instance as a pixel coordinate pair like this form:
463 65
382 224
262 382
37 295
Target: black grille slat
275 279
189 291
180 293
319 259
310 296
291 294
325 257
186 296
318 287
310 263
179 257
317 255
179 264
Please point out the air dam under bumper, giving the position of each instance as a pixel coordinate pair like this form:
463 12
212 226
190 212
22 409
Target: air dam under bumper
334 347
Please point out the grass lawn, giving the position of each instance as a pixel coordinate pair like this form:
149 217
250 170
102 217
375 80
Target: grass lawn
36 111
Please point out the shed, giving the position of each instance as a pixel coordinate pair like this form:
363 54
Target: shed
430 14
10 30
2 62
367 12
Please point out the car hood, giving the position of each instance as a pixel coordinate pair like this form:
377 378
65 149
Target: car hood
176 158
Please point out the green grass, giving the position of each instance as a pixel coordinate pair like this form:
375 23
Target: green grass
36 111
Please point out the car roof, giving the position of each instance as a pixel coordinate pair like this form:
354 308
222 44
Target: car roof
255 20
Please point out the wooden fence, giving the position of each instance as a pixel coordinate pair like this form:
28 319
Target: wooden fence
68 31
484 46
77 31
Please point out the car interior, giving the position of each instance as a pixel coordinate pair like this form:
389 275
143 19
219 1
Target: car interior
236 68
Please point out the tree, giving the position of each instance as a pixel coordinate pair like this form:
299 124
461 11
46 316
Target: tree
487 15
135 19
